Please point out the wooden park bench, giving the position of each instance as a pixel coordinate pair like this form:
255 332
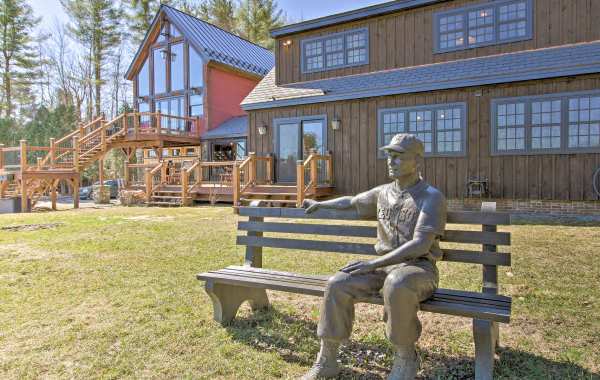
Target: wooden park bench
231 286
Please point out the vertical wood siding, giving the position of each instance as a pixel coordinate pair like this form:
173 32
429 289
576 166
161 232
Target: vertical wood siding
405 38
354 146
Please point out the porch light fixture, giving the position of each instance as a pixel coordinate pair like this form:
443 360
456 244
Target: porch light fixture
164 53
336 123
262 129
287 43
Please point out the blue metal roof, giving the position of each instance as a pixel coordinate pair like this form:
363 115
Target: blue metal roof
215 44
234 127
575 59
353 15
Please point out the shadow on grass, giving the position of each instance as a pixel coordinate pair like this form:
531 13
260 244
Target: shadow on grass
294 339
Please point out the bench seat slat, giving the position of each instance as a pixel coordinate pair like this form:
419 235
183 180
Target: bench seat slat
458 217
477 257
447 301
477 237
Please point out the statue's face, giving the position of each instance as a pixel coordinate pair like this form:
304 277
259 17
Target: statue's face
401 164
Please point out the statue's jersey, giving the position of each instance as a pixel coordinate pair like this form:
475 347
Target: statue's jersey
400 213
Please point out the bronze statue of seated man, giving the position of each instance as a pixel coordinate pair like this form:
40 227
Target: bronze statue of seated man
411 218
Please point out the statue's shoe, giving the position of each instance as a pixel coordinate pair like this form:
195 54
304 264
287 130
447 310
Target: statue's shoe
321 370
405 367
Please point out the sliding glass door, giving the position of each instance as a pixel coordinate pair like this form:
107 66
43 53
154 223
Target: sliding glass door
295 139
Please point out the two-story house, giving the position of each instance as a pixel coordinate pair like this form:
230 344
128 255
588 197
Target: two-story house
505 95
190 68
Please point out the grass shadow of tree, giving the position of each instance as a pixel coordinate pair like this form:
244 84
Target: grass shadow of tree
294 339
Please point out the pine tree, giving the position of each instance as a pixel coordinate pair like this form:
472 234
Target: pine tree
95 24
256 18
18 57
142 13
220 13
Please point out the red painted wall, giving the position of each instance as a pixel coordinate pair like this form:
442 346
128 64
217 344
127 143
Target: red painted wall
226 91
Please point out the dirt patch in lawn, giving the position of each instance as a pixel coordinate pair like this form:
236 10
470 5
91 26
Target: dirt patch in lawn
25 252
150 218
30 227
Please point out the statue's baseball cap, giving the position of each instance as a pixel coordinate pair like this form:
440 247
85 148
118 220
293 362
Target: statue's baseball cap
405 142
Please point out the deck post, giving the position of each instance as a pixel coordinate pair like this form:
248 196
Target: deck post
148 180
136 125
252 169
23 158
314 177
53 194
184 187
101 173
1 156
81 130
76 191
329 168
52 151
103 134
23 168
163 172
269 168
76 153
299 183
158 123
39 163
24 197
125 126
236 184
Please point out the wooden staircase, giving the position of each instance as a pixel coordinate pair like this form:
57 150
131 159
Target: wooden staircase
166 196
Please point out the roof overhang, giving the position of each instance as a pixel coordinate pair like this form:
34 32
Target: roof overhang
353 15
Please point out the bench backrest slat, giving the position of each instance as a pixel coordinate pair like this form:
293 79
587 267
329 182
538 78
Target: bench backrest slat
284 221
455 217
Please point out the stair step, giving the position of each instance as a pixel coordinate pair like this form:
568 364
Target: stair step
166 197
152 203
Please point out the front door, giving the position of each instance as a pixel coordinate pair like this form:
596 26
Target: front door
294 140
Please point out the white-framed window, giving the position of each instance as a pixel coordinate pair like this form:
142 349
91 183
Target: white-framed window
551 123
441 127
485 24
350 48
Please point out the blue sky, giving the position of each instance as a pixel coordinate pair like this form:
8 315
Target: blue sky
50 10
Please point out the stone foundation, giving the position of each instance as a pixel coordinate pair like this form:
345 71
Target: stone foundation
523 206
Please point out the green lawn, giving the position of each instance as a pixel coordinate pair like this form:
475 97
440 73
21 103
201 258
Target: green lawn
112 294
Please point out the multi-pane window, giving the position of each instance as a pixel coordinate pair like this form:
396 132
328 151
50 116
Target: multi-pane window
441 127
196 68
561 122
336 50
196 105
545 124
177 67
313 53
160 70
513 20
584 122
510 126
143 80
451 32
486 24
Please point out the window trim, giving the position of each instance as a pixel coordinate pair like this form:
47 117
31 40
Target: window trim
322 39
465 12
564 126
434 108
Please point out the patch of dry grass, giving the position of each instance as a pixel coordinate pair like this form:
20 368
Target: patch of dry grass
112 294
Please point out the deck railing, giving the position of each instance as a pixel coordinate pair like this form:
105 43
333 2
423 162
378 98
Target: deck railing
309 169
248 173
154 178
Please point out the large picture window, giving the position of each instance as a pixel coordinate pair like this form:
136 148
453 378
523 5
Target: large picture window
546 124
177 80
481 25
337 50
196 67
143 80
160 71
441 127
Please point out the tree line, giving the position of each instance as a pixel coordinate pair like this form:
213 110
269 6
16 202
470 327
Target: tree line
53 79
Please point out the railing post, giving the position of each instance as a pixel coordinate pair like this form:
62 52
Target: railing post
198 122
199 173
270 163
148 180
23 158
158 123
314 177
136 125
81 130
184 187
52 151
329 168
252 169
103 133
299 183
39 163
76 153
236 184
1 156
163 172
125 124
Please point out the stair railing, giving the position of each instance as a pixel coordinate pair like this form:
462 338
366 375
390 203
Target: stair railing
311 164
186 186
154 178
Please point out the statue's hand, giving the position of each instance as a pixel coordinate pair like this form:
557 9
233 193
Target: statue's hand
310 205
358 267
